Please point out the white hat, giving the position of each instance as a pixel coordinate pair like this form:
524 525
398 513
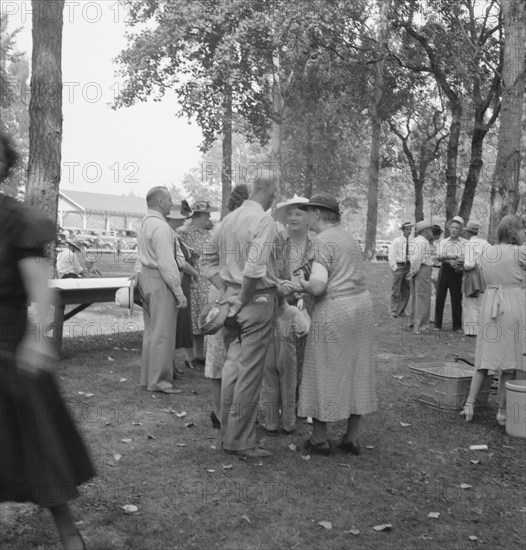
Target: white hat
456 219
421 225
281 209
124 297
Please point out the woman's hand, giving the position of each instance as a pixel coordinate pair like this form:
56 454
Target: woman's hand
235 304
36 356
287 288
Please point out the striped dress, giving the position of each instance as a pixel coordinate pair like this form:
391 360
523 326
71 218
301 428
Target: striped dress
339 371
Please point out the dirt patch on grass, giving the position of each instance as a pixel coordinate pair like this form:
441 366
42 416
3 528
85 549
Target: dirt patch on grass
189 494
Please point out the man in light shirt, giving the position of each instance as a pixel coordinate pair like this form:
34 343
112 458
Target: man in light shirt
421 266
398 258
68 265
450 252
239 261
161 293
473 250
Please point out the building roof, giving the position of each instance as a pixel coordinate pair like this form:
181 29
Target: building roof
100 203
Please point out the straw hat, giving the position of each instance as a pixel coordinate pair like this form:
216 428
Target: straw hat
181 213
420 226
406 224
472 227
456 219
281 210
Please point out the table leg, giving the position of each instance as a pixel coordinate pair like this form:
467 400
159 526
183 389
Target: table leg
58 327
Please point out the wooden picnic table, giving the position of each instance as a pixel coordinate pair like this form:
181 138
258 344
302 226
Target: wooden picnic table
83 292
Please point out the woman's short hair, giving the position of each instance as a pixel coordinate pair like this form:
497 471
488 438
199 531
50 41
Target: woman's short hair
8 156
508 230
327 215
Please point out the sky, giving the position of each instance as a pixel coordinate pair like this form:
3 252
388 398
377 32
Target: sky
104 150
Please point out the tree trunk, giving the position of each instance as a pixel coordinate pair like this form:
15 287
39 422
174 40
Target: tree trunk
452 156
45 107
475 166
226 164
505 183
376 129
309 168
277 110
419 198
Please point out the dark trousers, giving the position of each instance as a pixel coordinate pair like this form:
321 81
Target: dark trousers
400 290
449 279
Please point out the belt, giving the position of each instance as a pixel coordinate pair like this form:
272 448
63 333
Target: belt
268 290
402 263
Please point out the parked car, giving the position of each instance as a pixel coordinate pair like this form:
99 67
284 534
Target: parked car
126 239
108 239
83 238
382 249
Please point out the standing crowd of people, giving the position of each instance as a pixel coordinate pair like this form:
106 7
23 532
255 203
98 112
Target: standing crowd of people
487 288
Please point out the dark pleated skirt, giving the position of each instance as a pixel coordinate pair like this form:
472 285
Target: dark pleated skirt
184 337
42 456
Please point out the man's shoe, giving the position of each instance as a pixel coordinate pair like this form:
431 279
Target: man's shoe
256 452
350 447
216 423
169 391
323 448
271 432
289 432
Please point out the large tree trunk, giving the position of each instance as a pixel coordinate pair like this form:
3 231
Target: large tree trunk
309 168
226 165
277 111
505 184
45 107
475 166
376 129
451 159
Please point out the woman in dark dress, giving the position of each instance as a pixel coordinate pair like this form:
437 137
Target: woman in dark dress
42 457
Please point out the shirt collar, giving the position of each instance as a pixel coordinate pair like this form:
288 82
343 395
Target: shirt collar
252 204
154 214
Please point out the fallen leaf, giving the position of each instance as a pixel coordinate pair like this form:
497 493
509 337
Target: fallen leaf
370 447
213 447
478 447
404 424
89 394
149 436
292 447
227 466
434 515
126 440
246 518
81 393
116 348
181 414
130 508
325 524
123 380
189 424
473 538
354 532
210 471
344 465
475 461
117 457
111 359
259 464
426 537
305 457
397 376
137 423
383 527
466 486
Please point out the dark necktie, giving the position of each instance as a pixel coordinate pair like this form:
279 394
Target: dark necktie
407 249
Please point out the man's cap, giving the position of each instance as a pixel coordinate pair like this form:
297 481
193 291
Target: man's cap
203 206
322 200
456 219
472 227
281 210
421 225
406 224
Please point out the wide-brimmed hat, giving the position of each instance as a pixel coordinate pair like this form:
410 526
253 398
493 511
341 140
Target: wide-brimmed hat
406 224
75 246
456 219
472 227
203 206
421 225
281 210
125 296
322 200
181 213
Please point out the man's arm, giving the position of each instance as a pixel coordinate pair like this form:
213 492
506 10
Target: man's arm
391 255
210 263
416 255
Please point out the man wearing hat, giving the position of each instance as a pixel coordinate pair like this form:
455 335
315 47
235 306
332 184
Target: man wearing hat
161 292
398 258
473 285
450 252
68 265
421 266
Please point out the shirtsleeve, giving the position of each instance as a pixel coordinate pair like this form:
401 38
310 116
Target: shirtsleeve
162 240
324 254
259 250
210 258
416 254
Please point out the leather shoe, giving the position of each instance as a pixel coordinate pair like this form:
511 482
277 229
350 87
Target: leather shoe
323 448
256 452
350 447
271 432
169 391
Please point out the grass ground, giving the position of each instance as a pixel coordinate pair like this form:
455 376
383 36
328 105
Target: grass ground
190 495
